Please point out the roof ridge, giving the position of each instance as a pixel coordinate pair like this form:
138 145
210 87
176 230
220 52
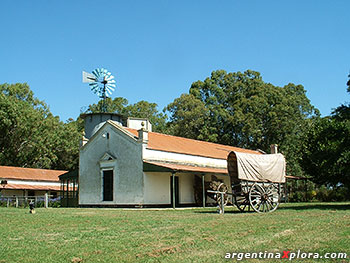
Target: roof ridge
196 140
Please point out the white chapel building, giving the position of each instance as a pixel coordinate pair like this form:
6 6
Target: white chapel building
123 163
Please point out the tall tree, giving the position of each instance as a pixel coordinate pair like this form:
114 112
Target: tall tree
327 152
242 110
116 105
30 135
190 119
141 109
145 109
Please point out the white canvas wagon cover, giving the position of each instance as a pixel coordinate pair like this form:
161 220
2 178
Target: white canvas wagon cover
257 167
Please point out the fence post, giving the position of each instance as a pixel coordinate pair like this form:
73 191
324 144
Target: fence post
46 200
16 201
222 204
8 202
203 190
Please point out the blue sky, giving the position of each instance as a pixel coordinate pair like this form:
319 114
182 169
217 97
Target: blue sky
156 49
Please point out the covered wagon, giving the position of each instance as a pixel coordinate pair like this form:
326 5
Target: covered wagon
256 180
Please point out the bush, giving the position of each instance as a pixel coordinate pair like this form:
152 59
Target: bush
307 191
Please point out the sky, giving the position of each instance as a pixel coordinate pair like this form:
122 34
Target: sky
157 49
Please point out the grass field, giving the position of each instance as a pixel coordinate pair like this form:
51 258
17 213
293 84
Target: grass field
189 235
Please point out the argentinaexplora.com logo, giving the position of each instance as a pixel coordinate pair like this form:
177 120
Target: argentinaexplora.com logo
286 254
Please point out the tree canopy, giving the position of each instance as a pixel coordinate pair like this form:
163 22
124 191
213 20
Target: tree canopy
141 109
327 148
31 135
240 109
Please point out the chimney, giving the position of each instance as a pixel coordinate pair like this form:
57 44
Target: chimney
143 134
274 148
84 140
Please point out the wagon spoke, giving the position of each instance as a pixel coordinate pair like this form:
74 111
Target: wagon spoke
242 203
271 204
256 195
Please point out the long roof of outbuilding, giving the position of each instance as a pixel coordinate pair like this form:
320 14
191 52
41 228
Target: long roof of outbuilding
175 144
30 174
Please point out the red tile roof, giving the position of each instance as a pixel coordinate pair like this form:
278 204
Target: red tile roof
169 143
19 173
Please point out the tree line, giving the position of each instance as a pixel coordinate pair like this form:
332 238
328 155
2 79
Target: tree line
238 109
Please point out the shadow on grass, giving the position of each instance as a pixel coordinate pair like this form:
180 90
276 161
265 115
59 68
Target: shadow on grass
228 210
310 206
287 206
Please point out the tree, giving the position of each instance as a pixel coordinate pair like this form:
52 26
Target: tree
141 109
31 135
240 109
327 153
327 148
116 105
144 109
190 119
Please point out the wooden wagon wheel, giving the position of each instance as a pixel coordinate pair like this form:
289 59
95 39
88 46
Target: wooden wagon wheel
222 188
241 196
242 202
264 198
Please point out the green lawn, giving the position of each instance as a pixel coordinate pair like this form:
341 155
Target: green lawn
190 235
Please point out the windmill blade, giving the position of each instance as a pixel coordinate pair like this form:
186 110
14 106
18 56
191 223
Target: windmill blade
110 90
94 84
111 85
95 73
109 78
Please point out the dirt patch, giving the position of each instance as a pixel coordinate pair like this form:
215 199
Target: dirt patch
164 250
210 239
286 232
76 260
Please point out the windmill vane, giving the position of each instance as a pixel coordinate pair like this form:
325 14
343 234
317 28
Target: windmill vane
101 82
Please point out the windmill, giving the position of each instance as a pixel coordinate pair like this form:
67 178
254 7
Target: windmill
101 83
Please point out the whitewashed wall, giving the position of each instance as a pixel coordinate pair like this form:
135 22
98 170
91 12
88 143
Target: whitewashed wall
154 155
128 166
34 183
186 190
157 188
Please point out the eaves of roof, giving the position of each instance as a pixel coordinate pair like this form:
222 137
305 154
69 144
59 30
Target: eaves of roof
171 167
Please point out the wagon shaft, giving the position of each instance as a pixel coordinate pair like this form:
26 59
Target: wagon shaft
218 187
